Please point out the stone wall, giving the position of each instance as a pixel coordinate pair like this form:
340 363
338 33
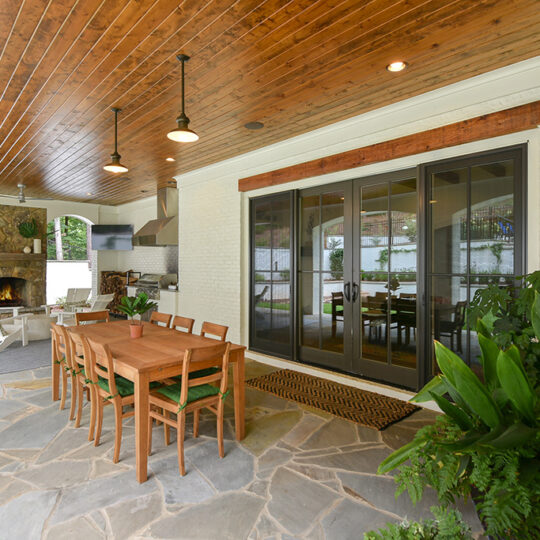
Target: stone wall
11 217
13 262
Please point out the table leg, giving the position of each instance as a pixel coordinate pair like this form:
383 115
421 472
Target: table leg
141 426
239 396
55 373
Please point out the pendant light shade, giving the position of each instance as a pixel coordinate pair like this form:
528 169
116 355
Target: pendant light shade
182 133
115 166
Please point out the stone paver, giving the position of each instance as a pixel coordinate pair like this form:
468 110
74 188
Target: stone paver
299 474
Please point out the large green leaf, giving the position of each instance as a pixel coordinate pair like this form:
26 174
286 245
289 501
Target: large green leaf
513 352
460 417
472 393
490 353
516 386
513 437
535 314
400 455
436 385
470 439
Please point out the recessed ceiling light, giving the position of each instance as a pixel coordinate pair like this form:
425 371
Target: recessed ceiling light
254 125
89 194
398 65
170 159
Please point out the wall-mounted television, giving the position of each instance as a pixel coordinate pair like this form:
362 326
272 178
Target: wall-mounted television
112 237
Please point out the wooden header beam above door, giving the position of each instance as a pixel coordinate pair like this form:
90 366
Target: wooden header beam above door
482 127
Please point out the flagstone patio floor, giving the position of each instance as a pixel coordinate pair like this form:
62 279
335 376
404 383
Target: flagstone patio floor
299 473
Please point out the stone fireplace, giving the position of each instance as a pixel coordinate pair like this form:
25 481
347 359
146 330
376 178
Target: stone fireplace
22 275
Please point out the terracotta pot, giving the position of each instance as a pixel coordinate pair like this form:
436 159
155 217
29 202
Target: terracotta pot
135 330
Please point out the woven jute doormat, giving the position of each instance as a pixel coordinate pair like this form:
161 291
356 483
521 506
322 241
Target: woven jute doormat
366 408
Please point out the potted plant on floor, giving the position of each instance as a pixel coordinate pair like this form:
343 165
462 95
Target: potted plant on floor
486 445
135 305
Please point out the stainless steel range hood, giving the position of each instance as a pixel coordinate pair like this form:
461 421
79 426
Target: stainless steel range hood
162 231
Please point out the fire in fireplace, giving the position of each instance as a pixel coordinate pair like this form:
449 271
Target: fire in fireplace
12 291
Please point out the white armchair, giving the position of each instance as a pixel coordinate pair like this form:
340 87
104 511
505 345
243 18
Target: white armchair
13 329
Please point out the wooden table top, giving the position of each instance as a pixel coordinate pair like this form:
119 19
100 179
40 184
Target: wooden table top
158 347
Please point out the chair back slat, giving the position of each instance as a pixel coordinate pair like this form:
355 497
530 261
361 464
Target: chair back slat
213 329
183 322
213 356
92 316
158 317
61 343
101 364
80 352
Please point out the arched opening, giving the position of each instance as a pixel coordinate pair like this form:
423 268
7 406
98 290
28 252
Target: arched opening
69 256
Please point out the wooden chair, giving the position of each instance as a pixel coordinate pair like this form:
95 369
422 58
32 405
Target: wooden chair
214 330
183 322
158 317
92 316
80 358
108 388
193 394
61 356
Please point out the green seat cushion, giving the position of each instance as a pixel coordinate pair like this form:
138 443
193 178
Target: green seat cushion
199 373
194 393
124 386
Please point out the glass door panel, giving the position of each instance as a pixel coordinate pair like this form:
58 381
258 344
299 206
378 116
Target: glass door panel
323 253
472 235
386 332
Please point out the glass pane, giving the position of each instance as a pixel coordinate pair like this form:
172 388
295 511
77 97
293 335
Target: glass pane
281 235
448 204
332 318
309 233
403 214
262 218
374 229
263 303
374 297
281 312
310 302
403 334
448 303
492 218
332 231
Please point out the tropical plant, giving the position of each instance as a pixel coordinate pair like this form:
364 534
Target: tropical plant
336 263
487 442
135 305
28 229
504 314
447 525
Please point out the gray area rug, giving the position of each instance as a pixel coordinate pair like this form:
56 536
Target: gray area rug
17 358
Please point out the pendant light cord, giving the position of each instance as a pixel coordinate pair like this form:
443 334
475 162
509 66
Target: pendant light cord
116 131
183 63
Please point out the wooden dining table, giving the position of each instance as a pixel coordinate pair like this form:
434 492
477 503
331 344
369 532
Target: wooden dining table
157 355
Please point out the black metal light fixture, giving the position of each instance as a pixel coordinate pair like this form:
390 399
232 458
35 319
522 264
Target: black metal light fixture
115 166
182 133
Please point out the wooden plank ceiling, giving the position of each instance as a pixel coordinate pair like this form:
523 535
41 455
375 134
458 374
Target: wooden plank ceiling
294 65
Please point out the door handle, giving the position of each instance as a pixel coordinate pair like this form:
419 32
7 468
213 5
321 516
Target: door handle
347 291
355 291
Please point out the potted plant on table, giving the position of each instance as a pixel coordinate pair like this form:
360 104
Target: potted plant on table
135 305
486 445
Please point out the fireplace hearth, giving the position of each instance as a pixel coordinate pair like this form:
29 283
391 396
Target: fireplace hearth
12 291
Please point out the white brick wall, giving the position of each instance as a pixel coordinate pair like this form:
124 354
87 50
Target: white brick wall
209 253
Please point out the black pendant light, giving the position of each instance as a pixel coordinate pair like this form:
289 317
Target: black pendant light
115 166
182 133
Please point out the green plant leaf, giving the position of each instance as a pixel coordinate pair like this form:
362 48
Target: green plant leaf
436 385
516 386
513 437
473 394
467 441
400 455
460 417
490 353
535 314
